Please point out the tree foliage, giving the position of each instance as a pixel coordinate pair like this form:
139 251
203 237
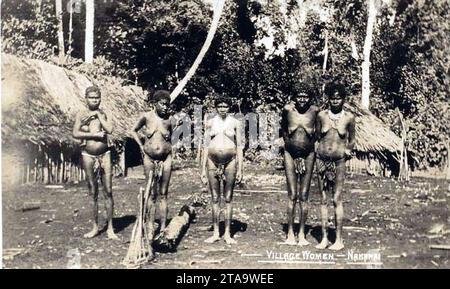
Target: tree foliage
29 30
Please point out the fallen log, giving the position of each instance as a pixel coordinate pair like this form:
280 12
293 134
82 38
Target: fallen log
167 239
9 254
29 206
54 187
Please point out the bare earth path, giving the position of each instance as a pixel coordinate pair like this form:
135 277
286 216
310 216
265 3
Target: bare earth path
383 217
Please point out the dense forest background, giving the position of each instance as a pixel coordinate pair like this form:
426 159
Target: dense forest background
260 51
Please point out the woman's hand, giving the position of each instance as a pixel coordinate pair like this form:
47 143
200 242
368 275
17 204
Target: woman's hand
90 117
100 135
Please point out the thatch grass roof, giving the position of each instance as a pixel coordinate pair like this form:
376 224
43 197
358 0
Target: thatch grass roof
40 101
372 135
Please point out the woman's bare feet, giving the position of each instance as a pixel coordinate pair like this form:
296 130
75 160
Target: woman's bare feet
229 240
290 240
94 232
111 235
338 245
322 245
302 241
110 232
212 239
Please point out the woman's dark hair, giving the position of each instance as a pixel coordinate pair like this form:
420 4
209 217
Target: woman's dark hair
93 88
223 99
158 95
333 87
303 87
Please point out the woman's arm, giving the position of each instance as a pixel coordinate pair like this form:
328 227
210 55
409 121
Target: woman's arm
240 142
204 158
106 123
205 144
137 126
79 134
176 122
351 133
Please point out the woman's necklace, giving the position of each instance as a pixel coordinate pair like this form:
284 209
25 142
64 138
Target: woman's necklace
335 117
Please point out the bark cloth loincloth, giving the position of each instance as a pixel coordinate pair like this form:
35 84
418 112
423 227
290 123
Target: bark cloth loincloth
300 166
220 170
158 171
327 172
98 162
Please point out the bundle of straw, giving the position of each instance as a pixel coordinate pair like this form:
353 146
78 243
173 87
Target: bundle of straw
140 251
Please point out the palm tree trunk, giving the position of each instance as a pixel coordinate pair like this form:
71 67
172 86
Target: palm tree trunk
89 36
69 51
218 7
58 10
371 20
325 60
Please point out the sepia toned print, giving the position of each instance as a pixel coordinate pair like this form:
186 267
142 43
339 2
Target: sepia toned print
221 134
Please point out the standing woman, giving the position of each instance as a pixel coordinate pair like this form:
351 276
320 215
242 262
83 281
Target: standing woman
222 162
335 129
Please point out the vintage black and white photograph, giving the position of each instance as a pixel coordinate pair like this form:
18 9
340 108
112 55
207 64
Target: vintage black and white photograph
225 134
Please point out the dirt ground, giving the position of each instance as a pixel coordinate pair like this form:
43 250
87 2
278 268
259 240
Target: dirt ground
397 220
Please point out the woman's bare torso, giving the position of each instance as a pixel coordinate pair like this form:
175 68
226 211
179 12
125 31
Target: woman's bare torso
95 147
157 137
299 140
222 145
333 137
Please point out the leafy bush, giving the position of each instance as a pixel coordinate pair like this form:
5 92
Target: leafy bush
28 30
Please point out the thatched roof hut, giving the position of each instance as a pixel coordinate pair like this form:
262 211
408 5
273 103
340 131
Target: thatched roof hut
377 146
39 104
372 135
40 100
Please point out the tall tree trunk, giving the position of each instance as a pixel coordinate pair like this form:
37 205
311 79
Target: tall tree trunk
69 51
89 36
355 53
218 7
371 20
404 167
325 59
58 10
122 162
325 55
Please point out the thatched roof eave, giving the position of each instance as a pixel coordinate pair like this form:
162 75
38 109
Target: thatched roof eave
40 101
372 135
